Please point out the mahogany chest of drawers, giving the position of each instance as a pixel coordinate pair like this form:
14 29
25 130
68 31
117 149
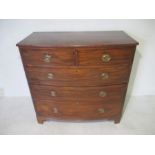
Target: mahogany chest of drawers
78 75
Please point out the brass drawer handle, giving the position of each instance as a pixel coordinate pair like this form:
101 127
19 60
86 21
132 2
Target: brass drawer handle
105 76
102 94
55 110
50 76
101 110
106 57
53 93
47 58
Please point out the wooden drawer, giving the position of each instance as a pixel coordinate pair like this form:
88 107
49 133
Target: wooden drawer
114 74
48 57
77 93
101 56
72 110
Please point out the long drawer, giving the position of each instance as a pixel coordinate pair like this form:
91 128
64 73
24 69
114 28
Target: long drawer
74 111
107 93
78 76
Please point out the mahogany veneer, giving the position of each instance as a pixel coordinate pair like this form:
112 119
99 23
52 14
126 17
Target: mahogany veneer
78 75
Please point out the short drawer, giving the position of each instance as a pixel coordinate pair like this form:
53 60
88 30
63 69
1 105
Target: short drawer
96 76
100 56
77 93
48 57
72 110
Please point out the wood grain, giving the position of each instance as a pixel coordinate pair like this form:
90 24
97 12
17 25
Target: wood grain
41 92
93 56
78 76
59 57
76 112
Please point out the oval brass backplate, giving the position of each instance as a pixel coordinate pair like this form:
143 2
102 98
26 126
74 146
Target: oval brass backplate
102 94
101 110
53 93
106 57
55 110
50 76
47 58
105 76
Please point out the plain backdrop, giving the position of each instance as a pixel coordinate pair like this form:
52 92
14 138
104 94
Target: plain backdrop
12 77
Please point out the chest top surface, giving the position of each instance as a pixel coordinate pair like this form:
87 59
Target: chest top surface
77 39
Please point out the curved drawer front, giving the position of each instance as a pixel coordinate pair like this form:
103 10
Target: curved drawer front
48 57
72 110
78 76
93 57
79 93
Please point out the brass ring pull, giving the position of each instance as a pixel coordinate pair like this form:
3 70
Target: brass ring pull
106 57
47 58
105 76
101 110
53 93
102 94
55 110
50 76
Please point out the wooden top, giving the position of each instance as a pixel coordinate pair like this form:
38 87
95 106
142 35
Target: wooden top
78 39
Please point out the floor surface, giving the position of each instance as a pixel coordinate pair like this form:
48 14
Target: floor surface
17 116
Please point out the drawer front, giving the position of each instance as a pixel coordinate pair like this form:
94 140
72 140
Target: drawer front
77 93
102 56
78 76
48 57
72 110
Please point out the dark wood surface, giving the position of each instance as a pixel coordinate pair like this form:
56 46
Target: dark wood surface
93 56
75 56
76 66
41 92
73 111
77 39
59 57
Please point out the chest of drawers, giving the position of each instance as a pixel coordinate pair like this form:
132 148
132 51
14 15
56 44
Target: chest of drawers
78 75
